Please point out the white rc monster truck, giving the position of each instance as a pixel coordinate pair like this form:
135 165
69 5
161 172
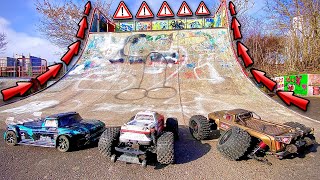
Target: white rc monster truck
145 134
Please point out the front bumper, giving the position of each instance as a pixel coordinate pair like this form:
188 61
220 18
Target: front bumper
295 148
135 138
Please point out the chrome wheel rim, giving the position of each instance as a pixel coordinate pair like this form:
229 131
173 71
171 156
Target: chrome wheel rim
10 138
63 145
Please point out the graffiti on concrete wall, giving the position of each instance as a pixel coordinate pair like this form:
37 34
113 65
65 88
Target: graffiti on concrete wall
125 27
160 25
280 83
194 51
194 23
177 24
208 23
296 83
314 85
143 25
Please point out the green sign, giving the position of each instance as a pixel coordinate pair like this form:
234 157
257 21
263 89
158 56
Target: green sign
296 83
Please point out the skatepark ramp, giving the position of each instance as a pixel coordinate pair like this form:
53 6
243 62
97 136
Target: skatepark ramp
178 73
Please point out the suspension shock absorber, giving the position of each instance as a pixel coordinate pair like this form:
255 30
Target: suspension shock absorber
261 145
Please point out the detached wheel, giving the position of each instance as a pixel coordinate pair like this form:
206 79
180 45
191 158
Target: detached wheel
108 140
63 144
172 126
199 127
165 148
11 138
234 143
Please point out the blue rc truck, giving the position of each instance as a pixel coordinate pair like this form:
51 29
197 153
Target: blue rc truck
62 131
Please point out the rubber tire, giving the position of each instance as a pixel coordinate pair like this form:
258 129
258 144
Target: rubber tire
305 129
203 127
311 140
15 140
67 141
108 141
236 145
172 126
165 148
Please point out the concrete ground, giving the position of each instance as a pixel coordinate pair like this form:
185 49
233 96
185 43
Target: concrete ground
194 160
313 107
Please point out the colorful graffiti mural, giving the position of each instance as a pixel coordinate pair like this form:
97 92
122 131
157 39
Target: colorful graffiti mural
314 85
156 49
143 26
280 83
303 84
177 24
297 83
194 23
160 25
208 23
219 20
125 27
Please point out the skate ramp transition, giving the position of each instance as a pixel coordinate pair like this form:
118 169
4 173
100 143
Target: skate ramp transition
178 73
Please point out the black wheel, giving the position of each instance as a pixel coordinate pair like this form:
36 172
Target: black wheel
165 148
108 141
297 125
63 143
234 143
11 138
113 158
310 140
172 126
199 127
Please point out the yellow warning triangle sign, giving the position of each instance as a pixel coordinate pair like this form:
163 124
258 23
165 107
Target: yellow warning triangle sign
184 10
144 11
122 12
165 10
202 9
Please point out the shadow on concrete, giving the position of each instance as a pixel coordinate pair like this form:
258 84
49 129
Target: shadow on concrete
187 149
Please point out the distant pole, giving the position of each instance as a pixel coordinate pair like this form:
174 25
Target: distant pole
98 22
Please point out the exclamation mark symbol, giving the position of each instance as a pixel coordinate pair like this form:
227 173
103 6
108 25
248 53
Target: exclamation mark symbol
184 9
144 10
122 10
165 10
202 8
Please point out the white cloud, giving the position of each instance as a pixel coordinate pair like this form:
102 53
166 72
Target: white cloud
22 43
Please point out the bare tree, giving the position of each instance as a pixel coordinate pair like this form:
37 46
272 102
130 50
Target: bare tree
299 22
59 19
3 42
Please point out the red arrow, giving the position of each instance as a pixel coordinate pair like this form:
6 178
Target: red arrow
73 50
260 77
243 53
235 26
21 88
289 98
52 72
87 8
232 8
83 25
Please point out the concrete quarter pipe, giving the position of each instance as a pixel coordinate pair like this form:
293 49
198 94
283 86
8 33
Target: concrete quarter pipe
185 72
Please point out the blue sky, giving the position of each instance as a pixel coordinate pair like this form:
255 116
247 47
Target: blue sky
19 18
